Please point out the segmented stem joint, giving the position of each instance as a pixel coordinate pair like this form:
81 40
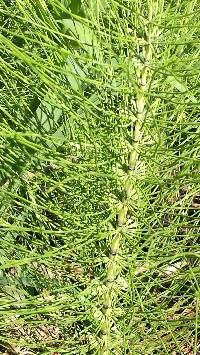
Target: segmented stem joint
122 216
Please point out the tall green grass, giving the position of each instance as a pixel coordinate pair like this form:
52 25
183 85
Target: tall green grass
100 189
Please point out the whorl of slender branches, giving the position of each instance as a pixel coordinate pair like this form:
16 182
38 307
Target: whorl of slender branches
143 79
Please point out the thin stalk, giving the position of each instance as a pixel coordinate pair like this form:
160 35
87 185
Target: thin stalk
128 189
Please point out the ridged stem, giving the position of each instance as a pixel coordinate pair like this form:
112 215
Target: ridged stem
128 190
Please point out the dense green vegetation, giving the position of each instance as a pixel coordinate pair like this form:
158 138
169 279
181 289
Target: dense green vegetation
100 188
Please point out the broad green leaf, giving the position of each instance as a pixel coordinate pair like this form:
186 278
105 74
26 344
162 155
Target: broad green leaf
75 6
66 3
182 87
83 35
97 6
47 115
74 73
46 118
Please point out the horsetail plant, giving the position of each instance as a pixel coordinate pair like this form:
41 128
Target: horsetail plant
143 82
99 177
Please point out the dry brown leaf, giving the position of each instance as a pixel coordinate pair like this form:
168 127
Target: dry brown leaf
48 332
76 270
187 350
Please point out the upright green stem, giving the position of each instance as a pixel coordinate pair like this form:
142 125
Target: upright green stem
128 190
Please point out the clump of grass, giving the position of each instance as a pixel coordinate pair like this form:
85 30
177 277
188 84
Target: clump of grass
99 177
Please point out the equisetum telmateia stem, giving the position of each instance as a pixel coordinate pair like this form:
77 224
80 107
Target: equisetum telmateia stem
128 189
